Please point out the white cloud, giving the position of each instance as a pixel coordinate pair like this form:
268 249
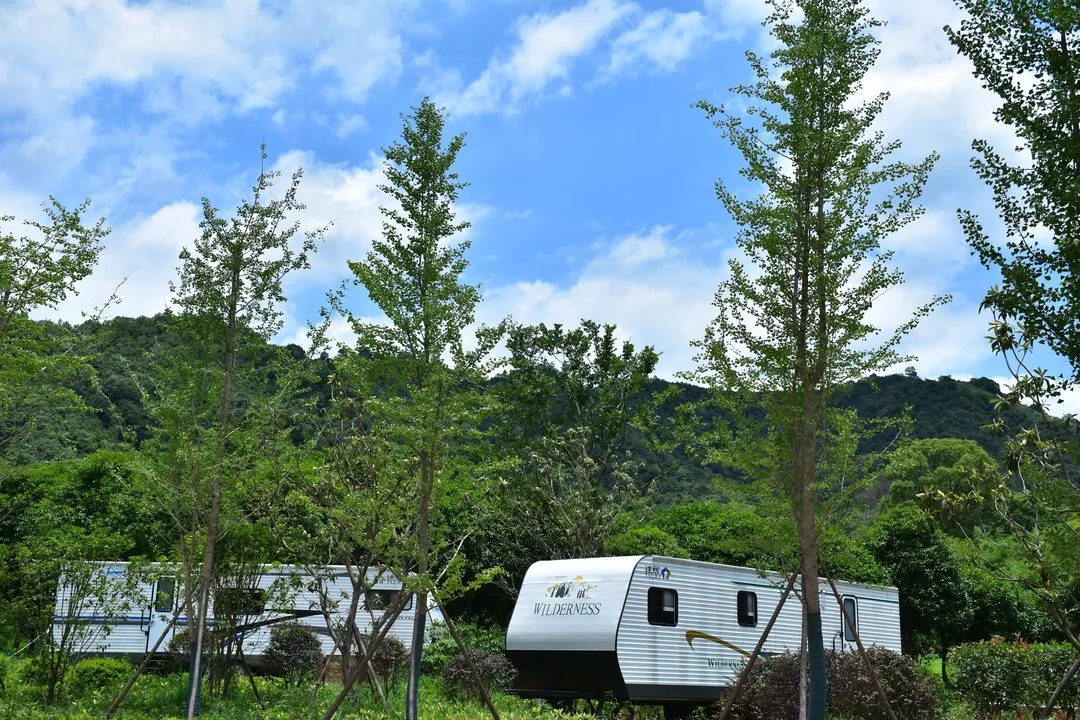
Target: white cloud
643 283
140 258
662 40
547 46
660 294
182 62
349 124
345 197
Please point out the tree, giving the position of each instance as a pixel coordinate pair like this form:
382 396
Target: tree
573 405
934 599
229 292
791 334
38 271
429 381
1027 52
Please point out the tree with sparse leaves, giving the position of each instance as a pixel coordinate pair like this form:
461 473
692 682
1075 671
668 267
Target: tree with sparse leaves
1027 52
431 399
216 423
792 327
571 403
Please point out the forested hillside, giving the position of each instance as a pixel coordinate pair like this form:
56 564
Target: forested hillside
420 468
125 353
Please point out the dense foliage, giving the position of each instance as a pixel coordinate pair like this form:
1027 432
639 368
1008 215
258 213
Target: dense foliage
997 675
773 688
294 651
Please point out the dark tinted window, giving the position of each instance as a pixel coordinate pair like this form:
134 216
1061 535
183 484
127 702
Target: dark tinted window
747 604
166 591
379 600
663 606
239 601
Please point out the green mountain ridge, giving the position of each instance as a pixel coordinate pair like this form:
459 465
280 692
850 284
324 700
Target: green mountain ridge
123 351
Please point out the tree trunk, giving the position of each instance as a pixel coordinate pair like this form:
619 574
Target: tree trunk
213 519
412 711
802 667
805 470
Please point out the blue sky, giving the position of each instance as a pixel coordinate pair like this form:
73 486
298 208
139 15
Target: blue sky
591 175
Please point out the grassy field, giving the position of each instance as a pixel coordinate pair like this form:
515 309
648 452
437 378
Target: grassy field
162 698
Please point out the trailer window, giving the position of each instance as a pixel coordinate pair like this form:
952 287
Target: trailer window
851 610
747 607
239 601
663 606
379 600
166 591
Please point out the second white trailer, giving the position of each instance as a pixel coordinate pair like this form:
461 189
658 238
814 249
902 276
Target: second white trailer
669 631
141 615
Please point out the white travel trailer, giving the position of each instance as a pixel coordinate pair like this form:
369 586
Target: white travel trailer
279 594
667 631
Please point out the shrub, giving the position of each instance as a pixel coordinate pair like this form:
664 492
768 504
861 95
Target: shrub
493 670
294 651
89 675
996 675
178 652
443 648
389 661
772 690
852 693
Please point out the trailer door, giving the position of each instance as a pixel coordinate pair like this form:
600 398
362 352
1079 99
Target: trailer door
161 611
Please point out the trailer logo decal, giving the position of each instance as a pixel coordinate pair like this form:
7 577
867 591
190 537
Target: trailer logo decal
656 573
576 589
692 635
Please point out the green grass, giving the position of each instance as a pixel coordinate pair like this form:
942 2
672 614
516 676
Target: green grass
930 665
162 698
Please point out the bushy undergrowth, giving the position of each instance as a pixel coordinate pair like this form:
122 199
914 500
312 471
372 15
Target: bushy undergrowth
389 661
481 671
772 690
996 675
161 697
294 652
96 674
443 648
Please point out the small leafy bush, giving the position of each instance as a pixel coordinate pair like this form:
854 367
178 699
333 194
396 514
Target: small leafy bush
443 648
995 675
178 652
89 675
492 670
294 651
33 671
389 661
772 690
6 663
852 693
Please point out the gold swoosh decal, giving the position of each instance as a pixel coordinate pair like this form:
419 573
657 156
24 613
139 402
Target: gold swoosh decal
692 635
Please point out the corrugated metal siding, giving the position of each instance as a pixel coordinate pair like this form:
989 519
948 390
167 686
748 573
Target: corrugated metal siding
129 636
654 655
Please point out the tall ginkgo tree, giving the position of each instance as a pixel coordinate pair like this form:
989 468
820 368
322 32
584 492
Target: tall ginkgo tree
430 399
792 325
